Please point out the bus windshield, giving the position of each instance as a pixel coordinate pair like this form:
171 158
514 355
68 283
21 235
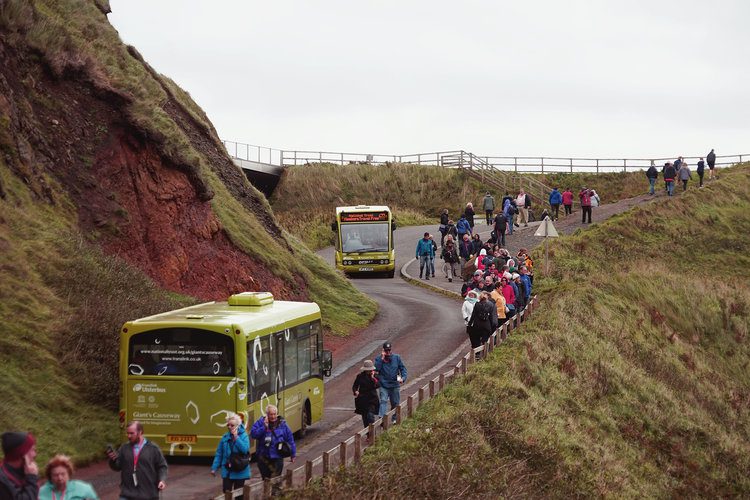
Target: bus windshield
365 237
181 351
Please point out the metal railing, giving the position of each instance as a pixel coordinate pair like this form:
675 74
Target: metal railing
520 164
350 450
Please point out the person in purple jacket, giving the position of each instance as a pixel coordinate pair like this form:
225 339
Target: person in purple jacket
269 432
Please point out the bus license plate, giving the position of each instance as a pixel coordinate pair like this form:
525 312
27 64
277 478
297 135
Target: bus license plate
181 438
366 268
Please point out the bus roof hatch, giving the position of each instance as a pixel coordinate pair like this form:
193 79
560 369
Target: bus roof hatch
251 299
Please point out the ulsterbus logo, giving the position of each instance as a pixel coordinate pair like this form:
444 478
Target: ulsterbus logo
148 388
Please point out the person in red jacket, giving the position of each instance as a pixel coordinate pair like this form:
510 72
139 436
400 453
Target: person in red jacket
567 198
585 197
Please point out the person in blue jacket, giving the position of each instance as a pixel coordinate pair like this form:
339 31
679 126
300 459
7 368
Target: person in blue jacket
463 227
235 440
425 254
268 431
391 374
524 272
555 200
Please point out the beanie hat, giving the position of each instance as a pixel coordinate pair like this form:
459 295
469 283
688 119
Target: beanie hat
17 444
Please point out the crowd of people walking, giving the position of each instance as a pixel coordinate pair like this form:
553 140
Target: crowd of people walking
679 170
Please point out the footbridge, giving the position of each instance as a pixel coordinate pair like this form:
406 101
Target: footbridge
264 165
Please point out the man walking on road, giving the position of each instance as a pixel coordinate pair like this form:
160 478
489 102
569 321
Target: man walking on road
488 204
391 373
142 467
425 254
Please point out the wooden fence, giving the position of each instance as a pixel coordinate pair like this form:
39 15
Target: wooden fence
350 450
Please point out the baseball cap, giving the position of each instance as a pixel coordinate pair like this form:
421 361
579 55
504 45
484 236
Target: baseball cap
387 346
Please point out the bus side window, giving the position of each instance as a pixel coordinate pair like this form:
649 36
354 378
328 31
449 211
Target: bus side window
290 358
259 378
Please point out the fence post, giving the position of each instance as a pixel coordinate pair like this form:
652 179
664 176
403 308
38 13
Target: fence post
228 495
571 165
456 371
386 422
441 382
624 165
246 492
342 454
371 433
597 165
289 477
410 406
464 362
398 414
432 389
420 398
326 462
542 160
308 470
515 164
266 488
357 447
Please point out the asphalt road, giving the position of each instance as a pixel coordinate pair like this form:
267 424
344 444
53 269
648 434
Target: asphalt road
425 328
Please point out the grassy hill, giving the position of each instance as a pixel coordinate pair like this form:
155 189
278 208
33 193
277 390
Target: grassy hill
632 380
416 194
117 200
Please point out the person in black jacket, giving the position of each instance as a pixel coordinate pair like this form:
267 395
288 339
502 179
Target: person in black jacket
365 390
469 214
670 174
142 467
19 473
483 321
652 175
711 160
443 227
700 169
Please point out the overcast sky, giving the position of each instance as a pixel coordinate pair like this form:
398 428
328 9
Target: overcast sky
574 78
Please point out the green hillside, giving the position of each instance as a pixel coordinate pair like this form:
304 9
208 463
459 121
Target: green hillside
632 380
117 200
416 194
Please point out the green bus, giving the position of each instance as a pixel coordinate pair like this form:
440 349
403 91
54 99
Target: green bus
364 240
182 372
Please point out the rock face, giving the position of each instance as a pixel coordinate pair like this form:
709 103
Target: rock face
71 136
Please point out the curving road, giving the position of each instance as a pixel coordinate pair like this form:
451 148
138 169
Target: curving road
426 330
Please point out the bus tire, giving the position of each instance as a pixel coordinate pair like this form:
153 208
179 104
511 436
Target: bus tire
304 420
391 273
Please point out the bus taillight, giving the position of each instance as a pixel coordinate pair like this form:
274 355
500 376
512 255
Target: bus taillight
122 416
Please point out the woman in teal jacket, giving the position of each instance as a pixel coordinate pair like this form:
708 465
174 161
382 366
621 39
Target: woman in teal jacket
235 440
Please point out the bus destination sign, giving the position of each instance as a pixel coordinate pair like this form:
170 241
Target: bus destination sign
364 216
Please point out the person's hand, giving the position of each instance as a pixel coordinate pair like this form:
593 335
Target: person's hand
293 459
234 431
29 466
356 394
213 473
161 485
265 422
112 455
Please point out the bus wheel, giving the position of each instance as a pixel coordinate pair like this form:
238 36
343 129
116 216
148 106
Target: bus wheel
391 273
305 418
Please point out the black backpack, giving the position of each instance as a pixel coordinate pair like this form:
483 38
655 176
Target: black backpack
483 314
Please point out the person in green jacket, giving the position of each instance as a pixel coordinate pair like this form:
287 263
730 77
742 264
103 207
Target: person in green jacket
488 204
59 485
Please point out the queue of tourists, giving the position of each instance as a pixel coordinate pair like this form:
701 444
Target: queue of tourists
679 170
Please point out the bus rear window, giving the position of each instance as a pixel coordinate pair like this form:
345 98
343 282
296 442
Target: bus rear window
181 351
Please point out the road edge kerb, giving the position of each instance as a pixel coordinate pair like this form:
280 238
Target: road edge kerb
417 282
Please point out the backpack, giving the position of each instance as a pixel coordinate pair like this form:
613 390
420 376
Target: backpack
483 314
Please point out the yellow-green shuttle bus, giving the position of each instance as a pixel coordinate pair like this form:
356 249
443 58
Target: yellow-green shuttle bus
364 240
183 371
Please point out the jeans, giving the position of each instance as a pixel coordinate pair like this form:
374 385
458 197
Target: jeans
231 484
670 187
510 223
424 262
387 393
555 211
449 268
651 184
488 216
432 266
584 212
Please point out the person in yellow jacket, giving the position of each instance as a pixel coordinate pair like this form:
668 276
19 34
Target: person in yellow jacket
497 296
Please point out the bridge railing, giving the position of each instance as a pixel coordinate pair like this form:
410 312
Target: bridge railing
520 164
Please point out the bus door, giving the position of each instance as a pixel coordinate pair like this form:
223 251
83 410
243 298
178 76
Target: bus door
277 383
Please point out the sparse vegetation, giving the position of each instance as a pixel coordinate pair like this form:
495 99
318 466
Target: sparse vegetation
415 194
632 380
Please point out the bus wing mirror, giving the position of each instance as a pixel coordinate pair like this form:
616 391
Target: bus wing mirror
393 225
326 363
334 226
